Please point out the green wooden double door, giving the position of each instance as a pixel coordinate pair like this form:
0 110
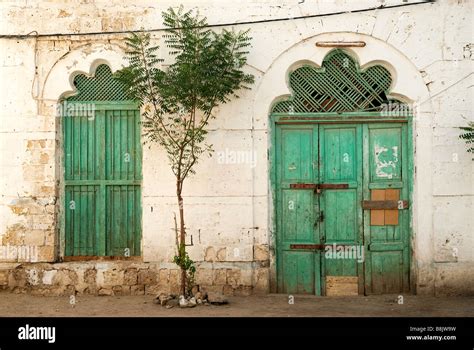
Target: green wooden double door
328 243
102 173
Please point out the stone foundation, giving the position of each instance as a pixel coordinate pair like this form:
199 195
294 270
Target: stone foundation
129 278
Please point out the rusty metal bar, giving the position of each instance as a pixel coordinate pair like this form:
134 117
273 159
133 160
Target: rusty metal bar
332 186
307 246
393 204
319 186
304 186
340 43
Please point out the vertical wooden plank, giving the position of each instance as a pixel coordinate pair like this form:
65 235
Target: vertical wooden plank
131 231
318 272
88 214
126 154
305 264
100 145
116 146
123 219
114 220
108 218
93 221
68 222
358 166
117 215
366 213
109 151
406 193
276 151
128 218
290 269
108 146
77 219
137 220
130 142
82 146
84 219
101 244
77 154
66 123
138 146
91 216
90 149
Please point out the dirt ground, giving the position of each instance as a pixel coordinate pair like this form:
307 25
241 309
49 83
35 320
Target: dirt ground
268 305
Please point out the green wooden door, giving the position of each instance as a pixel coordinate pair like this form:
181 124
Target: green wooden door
297 209
386 232
102 173
341 229
326 242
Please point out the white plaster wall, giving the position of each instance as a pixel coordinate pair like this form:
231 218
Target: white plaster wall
228 205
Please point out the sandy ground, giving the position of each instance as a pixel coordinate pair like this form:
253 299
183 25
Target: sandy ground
268 305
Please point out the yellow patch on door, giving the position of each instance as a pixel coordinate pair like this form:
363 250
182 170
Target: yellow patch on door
381 217
342 285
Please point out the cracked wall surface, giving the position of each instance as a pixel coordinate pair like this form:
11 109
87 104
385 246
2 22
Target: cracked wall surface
228 206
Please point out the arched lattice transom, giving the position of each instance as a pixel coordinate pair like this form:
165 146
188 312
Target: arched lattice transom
101 87
338 86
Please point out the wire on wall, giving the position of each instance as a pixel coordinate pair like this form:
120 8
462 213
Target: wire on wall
381 7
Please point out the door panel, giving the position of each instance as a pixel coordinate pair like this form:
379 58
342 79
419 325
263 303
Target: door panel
102 158
123 220
341 219
299 272
297 154
340 163
384 152
298 215
81 220
386 231
338 153
296 162
386 272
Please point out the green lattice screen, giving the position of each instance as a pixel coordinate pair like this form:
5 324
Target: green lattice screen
338 86
101 87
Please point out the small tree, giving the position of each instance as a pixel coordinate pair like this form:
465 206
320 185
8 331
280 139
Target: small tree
468 136
177 103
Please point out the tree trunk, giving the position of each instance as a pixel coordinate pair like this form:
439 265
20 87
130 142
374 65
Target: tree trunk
182 236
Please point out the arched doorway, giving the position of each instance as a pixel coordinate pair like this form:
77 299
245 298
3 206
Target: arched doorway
341 170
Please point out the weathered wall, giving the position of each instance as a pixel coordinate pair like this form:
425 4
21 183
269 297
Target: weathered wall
228 206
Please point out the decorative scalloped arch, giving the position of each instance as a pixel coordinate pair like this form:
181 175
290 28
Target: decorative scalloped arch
101 87
83 60
338 86
407 84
